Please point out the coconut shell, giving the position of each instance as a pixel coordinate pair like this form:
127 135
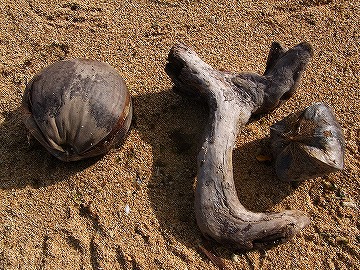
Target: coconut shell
307 144
77 108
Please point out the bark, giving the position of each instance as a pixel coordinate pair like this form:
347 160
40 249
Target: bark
233 98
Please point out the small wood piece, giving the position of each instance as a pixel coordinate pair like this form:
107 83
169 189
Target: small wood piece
307 144
212 257
233 98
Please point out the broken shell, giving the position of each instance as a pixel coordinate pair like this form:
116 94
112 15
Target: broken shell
77 108
127 209
307 144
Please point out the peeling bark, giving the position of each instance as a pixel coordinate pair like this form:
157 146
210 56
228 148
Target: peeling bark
233 98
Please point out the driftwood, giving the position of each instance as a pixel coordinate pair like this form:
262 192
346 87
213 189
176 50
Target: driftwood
233 98
307 144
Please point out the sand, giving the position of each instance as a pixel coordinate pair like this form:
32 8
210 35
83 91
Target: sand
133 208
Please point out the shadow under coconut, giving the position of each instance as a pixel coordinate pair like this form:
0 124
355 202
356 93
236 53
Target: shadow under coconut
174 127
23 164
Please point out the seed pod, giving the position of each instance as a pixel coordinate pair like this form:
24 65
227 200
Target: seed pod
77 108
307 144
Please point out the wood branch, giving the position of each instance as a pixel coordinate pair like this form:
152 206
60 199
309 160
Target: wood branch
233 98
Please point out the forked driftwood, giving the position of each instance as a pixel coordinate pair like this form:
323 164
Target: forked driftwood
233 98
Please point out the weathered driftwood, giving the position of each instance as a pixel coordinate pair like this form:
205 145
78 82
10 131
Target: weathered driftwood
307 144
233 98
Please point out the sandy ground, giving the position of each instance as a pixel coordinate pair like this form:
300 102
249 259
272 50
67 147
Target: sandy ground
56 215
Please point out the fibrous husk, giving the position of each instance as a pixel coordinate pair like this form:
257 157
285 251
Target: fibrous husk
77 108
307 144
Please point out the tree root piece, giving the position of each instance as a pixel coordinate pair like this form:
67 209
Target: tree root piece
233 98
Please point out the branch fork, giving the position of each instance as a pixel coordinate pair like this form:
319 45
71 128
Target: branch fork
233 98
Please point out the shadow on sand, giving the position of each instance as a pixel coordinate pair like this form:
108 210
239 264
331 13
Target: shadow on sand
23 164
174 125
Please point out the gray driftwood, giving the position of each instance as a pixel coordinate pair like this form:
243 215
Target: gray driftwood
233 98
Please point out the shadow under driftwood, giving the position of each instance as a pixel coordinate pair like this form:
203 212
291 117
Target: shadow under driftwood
24 164
256 183
174 127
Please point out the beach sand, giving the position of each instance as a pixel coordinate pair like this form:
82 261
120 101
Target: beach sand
133 208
